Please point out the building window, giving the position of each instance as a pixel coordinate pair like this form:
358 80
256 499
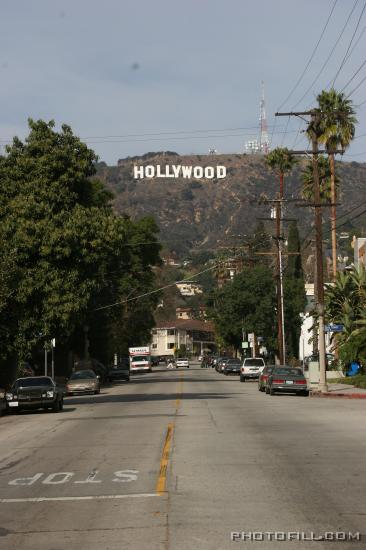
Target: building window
171 346
154 331
154 346
171 332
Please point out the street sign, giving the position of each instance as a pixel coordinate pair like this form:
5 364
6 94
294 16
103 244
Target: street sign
334 328
251 337
245 345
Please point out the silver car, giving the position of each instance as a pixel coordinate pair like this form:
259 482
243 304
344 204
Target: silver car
83 381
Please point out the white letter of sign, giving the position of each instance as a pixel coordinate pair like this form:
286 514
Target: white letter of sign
64 478
209 172
25 480
138 172
176 170
125 476
221 172
187 171
198 172
149 171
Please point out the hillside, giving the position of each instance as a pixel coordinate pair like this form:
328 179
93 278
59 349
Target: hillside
205 213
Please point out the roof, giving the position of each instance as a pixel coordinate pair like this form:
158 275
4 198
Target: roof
187 324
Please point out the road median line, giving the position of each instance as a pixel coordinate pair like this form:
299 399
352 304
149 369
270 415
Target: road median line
161 483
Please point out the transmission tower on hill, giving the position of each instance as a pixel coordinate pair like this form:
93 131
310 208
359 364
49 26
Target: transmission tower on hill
263 137
261 145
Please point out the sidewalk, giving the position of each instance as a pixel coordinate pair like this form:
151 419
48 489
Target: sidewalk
342 390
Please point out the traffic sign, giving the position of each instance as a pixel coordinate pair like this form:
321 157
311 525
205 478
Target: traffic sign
334 328
245 345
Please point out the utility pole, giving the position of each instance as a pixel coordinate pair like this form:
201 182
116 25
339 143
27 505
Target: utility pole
315 116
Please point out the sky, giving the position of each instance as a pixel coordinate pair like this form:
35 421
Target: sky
132 76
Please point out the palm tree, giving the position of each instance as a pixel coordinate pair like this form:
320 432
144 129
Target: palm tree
282 162
337 129
324 181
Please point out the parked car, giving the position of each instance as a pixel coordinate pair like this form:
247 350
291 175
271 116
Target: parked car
182 362
93 364
263 377
251 368
287 380
34 392
221 364
2 401
329 359
232 366
121 371
83 381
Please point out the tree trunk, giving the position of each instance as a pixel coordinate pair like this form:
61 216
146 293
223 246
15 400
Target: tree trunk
333 215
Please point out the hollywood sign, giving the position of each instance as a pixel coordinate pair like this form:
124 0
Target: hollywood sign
179 171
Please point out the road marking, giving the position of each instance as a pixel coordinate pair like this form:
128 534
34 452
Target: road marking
89 497
161 484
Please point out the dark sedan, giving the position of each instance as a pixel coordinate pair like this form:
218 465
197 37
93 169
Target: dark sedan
232 366
263 377
34 392
287 380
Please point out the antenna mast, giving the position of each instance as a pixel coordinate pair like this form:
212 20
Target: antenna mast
263 138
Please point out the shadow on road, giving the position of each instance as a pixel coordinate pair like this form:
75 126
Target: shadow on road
136 397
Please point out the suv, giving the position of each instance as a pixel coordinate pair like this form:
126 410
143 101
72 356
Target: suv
251 368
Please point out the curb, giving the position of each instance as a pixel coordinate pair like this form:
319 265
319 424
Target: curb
344 395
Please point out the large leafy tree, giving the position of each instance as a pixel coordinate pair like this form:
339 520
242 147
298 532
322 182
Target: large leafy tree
246 303
65 250
324 181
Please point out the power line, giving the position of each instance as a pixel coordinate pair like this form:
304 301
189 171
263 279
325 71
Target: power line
358 85
330 55
349 45
311 57
159 289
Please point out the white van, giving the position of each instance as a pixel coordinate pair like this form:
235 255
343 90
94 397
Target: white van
251 368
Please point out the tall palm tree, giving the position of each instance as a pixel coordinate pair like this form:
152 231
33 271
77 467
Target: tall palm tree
324 181
282 162
337 129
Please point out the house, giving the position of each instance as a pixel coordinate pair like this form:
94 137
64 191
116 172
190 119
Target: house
189 288
196 336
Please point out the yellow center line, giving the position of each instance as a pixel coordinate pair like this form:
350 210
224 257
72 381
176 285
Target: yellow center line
164 461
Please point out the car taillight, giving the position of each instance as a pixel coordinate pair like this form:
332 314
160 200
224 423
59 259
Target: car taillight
278 381
242 369
300 381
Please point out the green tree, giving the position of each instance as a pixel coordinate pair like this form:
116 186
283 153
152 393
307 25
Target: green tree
67 252
294 292
324 180
249 303
337 130
282 162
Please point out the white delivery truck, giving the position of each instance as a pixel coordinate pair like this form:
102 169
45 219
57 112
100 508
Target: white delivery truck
140 359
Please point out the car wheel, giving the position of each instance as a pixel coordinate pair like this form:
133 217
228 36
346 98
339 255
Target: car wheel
56 406
242 379
271 391
305 393
61 405
96 392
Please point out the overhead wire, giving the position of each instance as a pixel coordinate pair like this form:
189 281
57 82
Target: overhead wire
344 60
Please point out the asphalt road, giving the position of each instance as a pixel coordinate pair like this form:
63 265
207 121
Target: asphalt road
179 460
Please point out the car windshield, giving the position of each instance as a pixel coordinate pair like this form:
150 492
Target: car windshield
254 362
288 372
183 359
82 374
140 358
34 381
234 362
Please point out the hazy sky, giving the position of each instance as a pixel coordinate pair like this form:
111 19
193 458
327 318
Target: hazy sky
122 67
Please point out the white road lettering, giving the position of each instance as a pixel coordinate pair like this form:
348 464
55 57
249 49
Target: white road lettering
125 476
91 478
25 480
58 478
